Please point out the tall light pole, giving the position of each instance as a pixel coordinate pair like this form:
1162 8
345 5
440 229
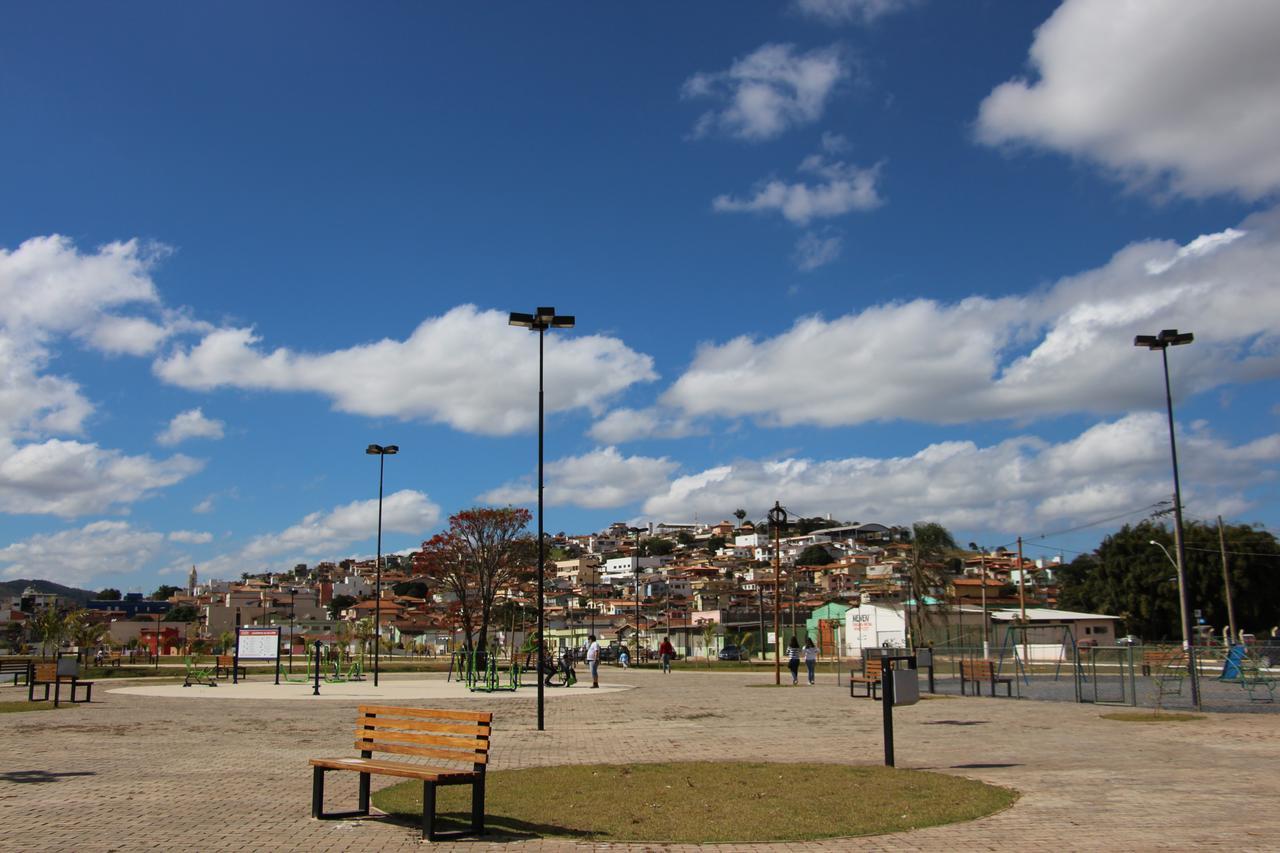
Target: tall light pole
1173 338
382 452
777 519
544 318
292 592
635 640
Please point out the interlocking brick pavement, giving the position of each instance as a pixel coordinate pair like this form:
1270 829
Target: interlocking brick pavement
146 773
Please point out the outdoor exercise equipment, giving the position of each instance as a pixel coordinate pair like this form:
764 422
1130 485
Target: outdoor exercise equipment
200 674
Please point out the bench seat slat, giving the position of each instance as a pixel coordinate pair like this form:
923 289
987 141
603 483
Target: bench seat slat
426 752
461 744
394 768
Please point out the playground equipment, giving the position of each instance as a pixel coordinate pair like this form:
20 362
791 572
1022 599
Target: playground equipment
198 673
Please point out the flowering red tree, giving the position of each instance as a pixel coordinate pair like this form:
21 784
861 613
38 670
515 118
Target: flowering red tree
484 551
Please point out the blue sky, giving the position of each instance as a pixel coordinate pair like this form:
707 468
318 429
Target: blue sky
882 259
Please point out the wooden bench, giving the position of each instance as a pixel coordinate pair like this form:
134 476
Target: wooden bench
983 670
46 674
1159 659
871 675
225 666
17 667
446 737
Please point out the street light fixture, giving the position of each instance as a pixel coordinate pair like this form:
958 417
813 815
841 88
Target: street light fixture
382 452
1173 338
545 318
292 592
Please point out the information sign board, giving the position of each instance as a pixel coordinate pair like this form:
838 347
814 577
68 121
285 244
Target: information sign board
258 643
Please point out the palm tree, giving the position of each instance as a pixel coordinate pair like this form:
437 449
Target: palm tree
931 545
52 628
84 632
740 514
226 639
364 633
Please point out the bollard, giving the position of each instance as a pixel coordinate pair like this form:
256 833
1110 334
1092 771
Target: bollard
315 691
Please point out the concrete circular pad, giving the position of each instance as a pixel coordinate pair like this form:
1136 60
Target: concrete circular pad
390 689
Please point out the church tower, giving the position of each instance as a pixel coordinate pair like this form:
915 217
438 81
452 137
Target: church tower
191 582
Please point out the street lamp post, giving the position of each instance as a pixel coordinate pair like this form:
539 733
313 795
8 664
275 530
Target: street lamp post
635 640
292 592
545 318
382 452
1173 338
777 518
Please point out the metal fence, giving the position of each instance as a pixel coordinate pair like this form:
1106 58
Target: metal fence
1155 677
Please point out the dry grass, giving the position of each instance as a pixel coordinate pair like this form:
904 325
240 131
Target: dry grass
20 707
700 802
1151 717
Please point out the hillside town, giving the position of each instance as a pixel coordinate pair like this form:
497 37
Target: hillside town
713 589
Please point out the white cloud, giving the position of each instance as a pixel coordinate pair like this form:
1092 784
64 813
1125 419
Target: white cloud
843 188
71 478
192 537
190 424
596 480
850 11
1065 349
467 368
204 507
77 556
813 251
328 535
768 92
1022 482
623 425
1177 92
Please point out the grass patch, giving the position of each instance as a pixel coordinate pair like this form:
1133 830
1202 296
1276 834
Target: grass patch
19 707
1150 717
700 802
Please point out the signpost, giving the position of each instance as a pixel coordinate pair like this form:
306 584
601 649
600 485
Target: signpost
256 644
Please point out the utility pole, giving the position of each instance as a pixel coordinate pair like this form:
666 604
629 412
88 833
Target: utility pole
1226 584
777 518
1022 599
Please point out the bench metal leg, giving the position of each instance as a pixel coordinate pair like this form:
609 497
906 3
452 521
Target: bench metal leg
364 793
429 810
477 806
317 792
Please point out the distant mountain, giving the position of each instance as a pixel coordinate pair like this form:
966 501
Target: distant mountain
15 588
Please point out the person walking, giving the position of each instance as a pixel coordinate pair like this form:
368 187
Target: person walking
667 651
624 657
593 660
810 657
793 661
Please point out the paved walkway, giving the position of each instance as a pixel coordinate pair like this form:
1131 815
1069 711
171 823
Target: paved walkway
187 772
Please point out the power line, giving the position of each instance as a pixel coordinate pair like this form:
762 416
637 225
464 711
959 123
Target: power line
1088 525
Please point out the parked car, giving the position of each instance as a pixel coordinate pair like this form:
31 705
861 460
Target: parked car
734 653
1130 640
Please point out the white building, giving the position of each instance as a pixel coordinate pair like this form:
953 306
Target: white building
624 568
354 586
873 626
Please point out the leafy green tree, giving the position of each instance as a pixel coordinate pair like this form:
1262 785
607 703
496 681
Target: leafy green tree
657 547
1129 577
709 631
684 537
227 640
740 514
815 555
182 613
164 592
715 543
108 594
339 603
414 589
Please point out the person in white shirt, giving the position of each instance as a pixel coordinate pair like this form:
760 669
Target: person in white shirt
810 657
593 659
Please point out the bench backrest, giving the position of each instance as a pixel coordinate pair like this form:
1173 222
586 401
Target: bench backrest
1161 658
46 672
977 670
226 660
15 665
454 736
873 667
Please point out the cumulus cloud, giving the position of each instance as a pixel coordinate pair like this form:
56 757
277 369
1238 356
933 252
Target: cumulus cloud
1180 93
190 424
77 556
813 251
623 425
191 537
1065 349
467 368
71 478
329 535
596 480
841 188
767 92
849 11
1022 482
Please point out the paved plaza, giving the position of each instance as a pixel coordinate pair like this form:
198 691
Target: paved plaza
197 769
